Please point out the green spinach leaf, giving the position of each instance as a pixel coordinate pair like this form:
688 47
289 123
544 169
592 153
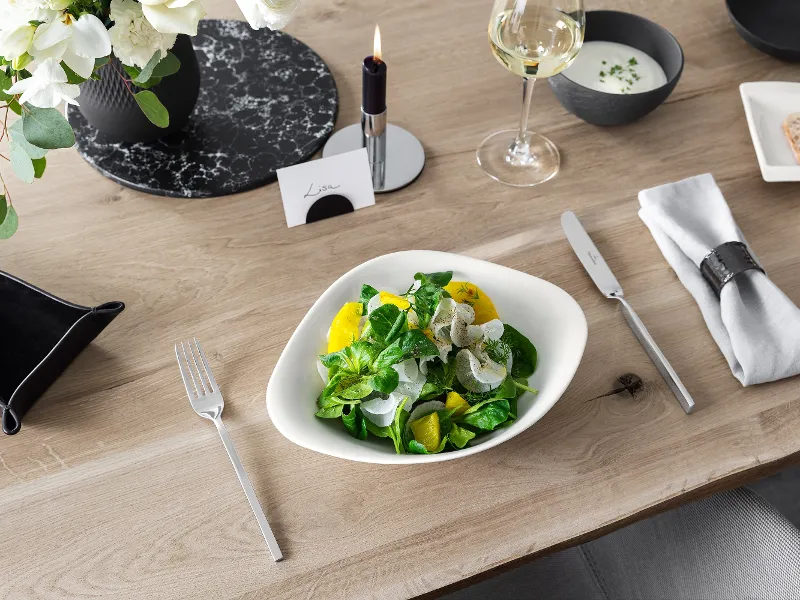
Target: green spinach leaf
355 358
380 432
398 426
459 436
386 322
488 417
330 412
440 278
522 351
385 380
355 423
411 344
367 292
414 447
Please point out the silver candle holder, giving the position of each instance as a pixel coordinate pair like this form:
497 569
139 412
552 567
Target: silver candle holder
396 156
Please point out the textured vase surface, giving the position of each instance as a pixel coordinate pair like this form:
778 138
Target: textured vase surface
109 106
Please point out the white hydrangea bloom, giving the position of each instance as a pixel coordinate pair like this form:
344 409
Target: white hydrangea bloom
134 39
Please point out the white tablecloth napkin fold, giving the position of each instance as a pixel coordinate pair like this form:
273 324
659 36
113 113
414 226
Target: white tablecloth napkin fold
755 325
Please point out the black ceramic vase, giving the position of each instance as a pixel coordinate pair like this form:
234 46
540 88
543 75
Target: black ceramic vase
111 109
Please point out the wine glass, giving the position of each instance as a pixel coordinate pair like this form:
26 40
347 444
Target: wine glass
533 39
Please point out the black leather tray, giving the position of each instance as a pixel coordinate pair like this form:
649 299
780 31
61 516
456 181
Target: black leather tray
40 335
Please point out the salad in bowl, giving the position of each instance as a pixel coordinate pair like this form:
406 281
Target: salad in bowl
430 369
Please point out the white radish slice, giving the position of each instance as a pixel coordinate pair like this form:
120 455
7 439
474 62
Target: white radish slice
381 410
407 370
492 330
373 303
478 376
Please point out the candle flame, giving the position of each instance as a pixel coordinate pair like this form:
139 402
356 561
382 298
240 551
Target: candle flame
376 45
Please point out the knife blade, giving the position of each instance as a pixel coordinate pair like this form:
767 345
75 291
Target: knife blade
590 258
604 279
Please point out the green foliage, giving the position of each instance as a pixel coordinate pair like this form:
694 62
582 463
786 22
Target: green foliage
152 108
46 128
21 162
147 71
385 380
411 344
459 436
18 135
398 426
367 292
522 351
427 296
355 423
489 416
9 224
386 323
39 165
169 65
72 76
5 83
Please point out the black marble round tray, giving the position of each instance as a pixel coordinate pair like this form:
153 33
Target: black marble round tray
267 101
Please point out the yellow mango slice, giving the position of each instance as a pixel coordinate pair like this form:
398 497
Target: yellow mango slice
427 432
344 328
454 400
469 293
389 298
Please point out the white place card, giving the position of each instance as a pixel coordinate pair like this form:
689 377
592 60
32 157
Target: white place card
326 187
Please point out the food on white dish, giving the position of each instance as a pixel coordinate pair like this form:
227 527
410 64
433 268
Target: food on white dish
791 128
615 69
430 368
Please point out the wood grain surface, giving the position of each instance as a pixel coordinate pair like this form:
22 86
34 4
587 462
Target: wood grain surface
114 488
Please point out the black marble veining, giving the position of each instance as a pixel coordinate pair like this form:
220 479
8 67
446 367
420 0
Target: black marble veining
266 101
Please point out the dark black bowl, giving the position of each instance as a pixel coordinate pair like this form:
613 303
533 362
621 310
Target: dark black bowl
602 108
772 26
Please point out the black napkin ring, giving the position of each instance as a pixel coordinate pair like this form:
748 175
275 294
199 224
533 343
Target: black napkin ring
725 262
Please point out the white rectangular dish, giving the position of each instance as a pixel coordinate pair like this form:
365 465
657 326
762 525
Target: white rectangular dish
766 105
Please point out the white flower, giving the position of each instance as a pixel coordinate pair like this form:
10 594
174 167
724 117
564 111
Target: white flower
78 42
32 10
274 14
134 39
15 39
47 88
174 16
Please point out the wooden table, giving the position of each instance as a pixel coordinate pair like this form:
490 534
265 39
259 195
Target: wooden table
114 488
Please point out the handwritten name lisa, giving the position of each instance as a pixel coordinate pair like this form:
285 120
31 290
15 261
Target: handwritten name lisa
316 191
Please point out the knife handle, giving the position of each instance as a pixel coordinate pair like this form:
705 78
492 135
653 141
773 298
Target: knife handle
655 354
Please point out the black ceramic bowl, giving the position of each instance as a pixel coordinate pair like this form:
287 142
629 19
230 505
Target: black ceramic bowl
772 26
602 108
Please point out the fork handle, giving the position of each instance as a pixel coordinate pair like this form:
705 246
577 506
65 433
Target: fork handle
272 544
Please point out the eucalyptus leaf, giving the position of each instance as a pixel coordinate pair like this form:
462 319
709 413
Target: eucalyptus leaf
3 208
169 65
15 107
152 108
46 128
18 135
9 224
147 70
21 162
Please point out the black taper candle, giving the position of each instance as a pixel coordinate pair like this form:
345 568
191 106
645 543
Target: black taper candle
373 86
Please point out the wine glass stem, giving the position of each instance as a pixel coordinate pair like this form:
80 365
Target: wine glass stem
520 151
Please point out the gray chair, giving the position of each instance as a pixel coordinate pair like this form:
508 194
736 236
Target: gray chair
733 545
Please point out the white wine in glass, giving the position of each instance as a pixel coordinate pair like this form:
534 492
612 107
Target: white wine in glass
532 39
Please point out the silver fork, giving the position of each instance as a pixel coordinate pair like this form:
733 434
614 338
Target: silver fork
207 402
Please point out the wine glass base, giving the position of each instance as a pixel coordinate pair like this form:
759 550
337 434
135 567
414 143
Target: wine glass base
500 164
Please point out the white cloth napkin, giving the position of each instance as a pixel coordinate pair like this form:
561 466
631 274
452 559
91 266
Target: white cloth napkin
753 322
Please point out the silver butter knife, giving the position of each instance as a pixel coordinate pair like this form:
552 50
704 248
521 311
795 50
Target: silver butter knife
604 279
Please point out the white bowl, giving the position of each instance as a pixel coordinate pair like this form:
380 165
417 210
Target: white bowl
545 313
766 106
